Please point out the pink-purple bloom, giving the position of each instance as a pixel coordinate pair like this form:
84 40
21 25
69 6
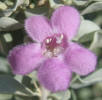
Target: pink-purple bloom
53 54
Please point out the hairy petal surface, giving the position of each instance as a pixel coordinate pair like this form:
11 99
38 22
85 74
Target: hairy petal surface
66 20
54 75
80 60
25 58
38 28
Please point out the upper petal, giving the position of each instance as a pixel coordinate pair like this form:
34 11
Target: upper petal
54 75
80 60
38 28
25 58
66 20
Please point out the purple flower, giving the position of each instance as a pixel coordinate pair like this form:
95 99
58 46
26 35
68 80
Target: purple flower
53 55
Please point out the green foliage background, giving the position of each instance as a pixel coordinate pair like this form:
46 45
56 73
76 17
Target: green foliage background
12 33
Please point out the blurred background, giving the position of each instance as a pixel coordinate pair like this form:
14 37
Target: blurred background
12 16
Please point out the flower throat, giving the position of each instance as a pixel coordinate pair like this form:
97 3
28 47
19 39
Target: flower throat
54 45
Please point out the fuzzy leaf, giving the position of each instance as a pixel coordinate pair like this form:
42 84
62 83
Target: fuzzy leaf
4 65
54 4
5 97
3 6
9 24
86 27
28 14
97 41
64 95
17 3
21 2
95 0
7 12
92 8
80 2
91 79
9 85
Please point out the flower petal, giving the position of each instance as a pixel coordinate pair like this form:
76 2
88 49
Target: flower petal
54 75
80 60
38 28
66 20
25 58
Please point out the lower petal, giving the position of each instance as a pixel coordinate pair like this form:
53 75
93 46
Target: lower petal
54 75
25 58
80 60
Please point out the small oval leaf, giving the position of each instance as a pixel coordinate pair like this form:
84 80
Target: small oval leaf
97 41
9 24
92 8
91 79
86 27
9 85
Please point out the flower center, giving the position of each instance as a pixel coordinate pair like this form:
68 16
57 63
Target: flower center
54 45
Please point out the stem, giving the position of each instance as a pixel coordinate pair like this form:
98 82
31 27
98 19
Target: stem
37 88
66 96
82 81
34 94
30 93
44 94
73 95
74 79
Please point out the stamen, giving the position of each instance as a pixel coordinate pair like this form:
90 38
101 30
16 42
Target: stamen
61 36
57 50
47 40
59 39
48 54
50 39
54 45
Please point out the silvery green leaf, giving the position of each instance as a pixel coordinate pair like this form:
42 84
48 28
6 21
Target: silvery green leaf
9 11
64 95
19 78
68 2
86 27
9 85
28 14
5 96
54 5
4 65
98 19
91 79
5 42
8 37
21 2
25 98
41 10
3 6
9 24
80 2
97 41
94 7
95 0
33 76
85 93
67 95
86 38
1 47
74 97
